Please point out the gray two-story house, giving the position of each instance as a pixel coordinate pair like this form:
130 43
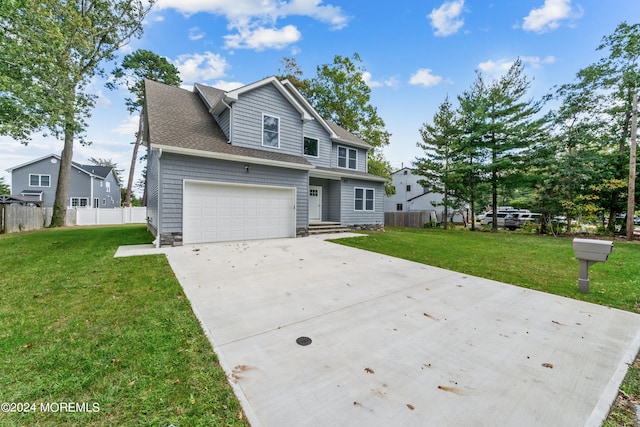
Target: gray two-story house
252 163
89 186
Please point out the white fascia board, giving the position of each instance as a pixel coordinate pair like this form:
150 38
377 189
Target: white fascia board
230 157
316 173
351 143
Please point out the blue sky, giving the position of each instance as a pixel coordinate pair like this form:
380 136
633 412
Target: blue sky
415 52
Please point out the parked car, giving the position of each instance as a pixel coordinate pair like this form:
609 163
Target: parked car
501 215
514 221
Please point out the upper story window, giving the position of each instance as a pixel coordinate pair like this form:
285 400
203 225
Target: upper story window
310 147
36 180
107 187
408 188
270 131
347 158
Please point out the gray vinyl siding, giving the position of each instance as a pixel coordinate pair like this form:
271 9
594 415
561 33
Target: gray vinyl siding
313 129
247 120
80 184
176 168
20 179
152 189
361 157
223 120
349 215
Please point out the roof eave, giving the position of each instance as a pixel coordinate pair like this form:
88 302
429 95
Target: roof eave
230 157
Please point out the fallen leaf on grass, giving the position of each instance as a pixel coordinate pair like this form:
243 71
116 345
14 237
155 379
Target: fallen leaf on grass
28 346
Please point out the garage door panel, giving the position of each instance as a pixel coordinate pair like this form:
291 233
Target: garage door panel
216 212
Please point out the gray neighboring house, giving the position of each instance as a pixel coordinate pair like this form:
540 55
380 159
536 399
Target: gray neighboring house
89 186
251 163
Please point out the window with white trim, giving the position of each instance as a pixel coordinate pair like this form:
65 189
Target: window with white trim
270 131
347 158
36 180
310 147
79 202
107 187
363 199
398 206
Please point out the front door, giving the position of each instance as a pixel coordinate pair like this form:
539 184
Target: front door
315 203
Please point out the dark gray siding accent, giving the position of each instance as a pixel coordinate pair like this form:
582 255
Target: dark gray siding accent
247 120
176 168
20 179
313 129
349 215
152 189
361 157
335 198
223 122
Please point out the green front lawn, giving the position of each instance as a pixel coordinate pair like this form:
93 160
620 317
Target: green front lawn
113 335
536 262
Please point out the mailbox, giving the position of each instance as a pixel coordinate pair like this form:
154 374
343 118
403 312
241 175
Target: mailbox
588 252
592 250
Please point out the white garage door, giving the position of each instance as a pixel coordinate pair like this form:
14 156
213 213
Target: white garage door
218 212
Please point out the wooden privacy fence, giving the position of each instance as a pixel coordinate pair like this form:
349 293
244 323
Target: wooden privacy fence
409 219
15 218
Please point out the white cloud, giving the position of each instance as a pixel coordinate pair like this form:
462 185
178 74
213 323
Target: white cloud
262 38
128 126
549 16
201 67
446 19
423 77
195 33
495 69
390 82
256 20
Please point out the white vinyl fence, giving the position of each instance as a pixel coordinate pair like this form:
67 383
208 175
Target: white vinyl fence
133 215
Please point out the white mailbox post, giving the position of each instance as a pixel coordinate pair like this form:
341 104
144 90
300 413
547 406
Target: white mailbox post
588 252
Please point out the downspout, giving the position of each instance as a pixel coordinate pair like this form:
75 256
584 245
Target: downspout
91 192
158 232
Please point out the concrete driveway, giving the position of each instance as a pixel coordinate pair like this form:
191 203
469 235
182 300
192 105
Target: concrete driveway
395 342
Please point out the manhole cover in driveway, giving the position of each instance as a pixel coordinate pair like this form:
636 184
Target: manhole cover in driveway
304 341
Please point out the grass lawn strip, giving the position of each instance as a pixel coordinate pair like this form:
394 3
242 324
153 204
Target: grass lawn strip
80 326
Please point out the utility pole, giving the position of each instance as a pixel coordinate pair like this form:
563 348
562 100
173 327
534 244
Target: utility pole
631 202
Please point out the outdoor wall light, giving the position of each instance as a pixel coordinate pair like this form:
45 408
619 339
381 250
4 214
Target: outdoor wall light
247 168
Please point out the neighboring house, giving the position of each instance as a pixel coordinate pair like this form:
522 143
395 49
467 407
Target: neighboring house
410 196
89 186
251 163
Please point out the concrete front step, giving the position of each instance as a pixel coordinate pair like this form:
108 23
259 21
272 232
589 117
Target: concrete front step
324 228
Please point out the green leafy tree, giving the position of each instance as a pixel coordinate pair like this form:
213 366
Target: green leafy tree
440 140
71 40
506 126
135 68
4 187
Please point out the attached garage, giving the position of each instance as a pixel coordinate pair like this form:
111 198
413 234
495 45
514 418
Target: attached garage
218 212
